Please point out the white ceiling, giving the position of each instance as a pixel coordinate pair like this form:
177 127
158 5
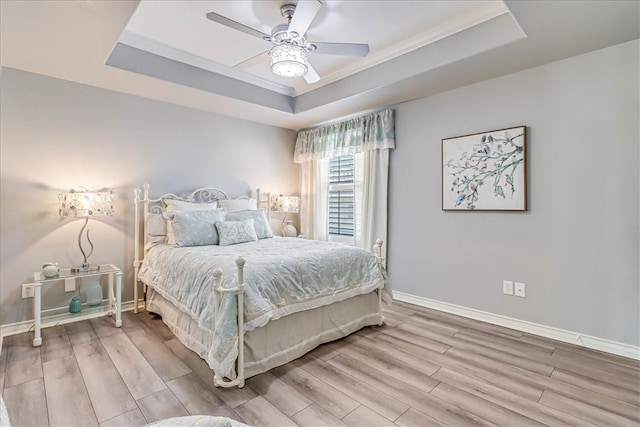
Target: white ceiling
159 27
169 51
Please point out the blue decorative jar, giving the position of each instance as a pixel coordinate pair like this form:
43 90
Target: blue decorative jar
74 305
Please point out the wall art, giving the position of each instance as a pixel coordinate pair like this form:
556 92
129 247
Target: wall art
485 171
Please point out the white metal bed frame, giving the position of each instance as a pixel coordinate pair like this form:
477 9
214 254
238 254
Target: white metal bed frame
204 195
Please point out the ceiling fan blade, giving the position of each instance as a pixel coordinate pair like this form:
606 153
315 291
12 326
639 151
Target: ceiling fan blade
235 25
253 61
311 76
347 49
306 11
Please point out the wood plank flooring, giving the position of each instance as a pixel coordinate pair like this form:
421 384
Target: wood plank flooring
421 368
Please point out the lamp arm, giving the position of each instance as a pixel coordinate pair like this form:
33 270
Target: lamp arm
86 222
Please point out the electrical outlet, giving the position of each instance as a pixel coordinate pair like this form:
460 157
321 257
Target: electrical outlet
27 290
520 289
70 284
507 287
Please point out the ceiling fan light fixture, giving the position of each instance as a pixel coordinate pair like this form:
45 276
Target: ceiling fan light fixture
289 54
288 60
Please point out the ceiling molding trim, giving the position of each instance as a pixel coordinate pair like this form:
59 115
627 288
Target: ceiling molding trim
139 61
489 35
144 43
440 32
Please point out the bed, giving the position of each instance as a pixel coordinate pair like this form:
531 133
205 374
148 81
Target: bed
243 299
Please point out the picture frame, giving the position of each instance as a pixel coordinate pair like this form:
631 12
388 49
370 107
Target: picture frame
485 171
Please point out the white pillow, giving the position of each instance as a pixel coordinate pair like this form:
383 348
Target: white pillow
261 224
235 205
172 205
196 228
156 230
234 232
156 225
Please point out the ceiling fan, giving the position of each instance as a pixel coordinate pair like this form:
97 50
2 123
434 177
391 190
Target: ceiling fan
289 54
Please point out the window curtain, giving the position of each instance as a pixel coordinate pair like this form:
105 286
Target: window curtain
314 198
374 131
373 135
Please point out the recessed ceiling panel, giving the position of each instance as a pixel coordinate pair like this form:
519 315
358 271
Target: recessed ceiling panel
180 30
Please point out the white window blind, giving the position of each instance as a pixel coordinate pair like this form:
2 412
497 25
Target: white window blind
341 206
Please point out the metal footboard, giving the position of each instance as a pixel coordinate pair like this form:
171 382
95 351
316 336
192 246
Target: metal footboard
217 299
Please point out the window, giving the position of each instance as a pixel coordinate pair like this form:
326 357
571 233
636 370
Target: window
341 213
346 196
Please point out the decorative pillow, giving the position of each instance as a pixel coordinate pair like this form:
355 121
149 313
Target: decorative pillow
196 228
171 205
260 221
234 232
235 205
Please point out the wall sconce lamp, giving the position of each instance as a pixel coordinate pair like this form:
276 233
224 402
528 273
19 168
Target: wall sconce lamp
83 202
286 204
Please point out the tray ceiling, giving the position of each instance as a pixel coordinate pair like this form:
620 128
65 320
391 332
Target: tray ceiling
174 41
169 51
179 30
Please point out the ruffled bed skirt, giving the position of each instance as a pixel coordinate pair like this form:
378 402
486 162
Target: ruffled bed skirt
279 341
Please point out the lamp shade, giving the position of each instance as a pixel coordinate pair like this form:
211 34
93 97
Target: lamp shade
83 202
288 60
283 203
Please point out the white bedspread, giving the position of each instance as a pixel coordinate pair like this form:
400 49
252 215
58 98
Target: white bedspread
281 276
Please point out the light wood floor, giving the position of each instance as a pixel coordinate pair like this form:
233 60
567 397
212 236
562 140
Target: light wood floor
422 368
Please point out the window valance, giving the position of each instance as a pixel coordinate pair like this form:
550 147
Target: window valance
375 131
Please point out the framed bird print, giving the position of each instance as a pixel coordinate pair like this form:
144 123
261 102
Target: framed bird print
485 171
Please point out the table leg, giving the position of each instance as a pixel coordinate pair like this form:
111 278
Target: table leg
118 299
37 305
110 295
135 295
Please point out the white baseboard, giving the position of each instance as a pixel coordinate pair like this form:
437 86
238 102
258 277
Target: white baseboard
570 337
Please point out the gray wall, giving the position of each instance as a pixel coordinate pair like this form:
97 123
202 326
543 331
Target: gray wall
58 135
577 248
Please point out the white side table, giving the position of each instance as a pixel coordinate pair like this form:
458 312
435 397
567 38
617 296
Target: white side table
114 303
